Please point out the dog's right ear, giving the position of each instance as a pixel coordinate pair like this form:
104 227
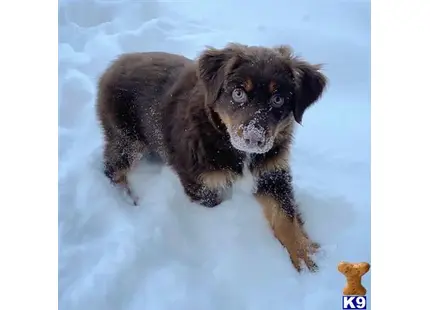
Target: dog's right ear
213 65
311 83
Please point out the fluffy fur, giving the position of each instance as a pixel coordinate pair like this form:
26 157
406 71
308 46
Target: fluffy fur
232 109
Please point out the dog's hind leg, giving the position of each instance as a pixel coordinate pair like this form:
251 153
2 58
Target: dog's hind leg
121 154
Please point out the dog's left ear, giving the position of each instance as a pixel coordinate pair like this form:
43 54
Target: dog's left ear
213 65
310 84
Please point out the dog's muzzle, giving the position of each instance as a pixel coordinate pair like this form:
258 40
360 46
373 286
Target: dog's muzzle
253 139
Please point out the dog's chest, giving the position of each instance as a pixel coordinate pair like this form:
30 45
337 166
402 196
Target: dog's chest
246 180
221 156
246 172
247 161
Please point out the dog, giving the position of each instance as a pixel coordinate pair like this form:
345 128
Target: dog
209 119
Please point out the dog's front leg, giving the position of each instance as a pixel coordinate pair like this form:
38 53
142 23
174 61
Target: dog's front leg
208 188
274 191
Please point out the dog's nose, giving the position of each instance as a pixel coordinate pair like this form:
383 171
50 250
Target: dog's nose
254 138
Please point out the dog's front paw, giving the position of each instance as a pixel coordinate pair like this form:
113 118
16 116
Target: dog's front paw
209 200
204 197
301 252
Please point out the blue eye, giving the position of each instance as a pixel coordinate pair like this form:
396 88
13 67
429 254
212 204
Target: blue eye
276 101
239 95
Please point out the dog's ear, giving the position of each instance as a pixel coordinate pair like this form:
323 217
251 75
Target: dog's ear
213 65
310 84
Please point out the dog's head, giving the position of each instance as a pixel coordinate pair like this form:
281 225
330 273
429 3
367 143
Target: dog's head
256 91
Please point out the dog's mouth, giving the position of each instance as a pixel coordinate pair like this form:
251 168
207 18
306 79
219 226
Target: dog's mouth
250 139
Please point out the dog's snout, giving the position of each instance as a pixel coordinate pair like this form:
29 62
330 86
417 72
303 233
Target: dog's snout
254 138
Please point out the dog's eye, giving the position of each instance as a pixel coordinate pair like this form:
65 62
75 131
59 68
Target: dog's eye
239 95
276 101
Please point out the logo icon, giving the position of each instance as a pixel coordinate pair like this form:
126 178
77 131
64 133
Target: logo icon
354 293
354 302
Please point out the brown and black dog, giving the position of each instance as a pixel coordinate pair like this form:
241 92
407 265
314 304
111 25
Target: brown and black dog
232 109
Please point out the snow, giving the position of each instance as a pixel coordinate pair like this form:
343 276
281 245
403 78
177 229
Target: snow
168 253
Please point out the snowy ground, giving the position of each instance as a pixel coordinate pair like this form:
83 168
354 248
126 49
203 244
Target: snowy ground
171 254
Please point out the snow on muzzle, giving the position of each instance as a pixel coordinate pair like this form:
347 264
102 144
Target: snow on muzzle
252 137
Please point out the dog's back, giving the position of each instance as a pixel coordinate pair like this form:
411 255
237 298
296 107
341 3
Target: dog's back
131 90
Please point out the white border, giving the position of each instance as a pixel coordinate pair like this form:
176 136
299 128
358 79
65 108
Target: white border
400 190
400 155
29 135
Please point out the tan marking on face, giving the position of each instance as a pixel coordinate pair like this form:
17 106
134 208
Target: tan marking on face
232 123
289 232
225 118
248 85
218 179
272 87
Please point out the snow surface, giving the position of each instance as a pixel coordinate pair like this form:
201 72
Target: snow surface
169 253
